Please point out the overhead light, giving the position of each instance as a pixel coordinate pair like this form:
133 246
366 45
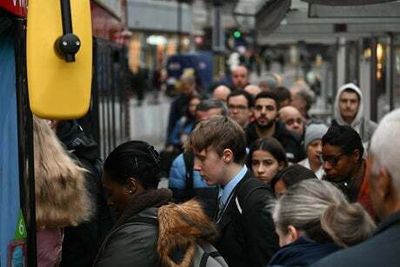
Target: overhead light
156 40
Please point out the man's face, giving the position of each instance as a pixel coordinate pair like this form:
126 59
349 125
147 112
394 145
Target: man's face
265 112
239 109
211 166
337 165
293 120
348 105
239 77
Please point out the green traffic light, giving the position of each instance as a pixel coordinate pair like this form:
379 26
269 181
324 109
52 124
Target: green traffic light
237 34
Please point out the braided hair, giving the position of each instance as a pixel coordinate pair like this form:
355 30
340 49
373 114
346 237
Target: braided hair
135 159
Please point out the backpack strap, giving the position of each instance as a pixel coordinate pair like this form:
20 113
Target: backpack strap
204 258
188 158
246 189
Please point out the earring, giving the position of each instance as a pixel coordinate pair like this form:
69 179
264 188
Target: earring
130 192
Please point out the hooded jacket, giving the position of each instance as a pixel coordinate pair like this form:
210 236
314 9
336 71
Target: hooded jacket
364 127
133 242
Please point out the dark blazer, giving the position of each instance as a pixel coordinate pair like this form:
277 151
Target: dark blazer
247 232
382 249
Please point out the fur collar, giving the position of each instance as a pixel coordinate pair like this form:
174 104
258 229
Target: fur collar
144 200
181 227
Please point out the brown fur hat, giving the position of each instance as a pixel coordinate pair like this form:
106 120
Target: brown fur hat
182 226
61 196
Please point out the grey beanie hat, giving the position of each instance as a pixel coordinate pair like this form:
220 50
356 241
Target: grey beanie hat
314 132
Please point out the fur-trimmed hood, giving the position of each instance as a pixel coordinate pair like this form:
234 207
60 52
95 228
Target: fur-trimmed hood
181 226
61 196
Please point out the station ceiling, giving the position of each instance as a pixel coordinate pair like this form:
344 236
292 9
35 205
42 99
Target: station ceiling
288 21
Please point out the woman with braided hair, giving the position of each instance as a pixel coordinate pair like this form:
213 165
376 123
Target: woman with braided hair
149 231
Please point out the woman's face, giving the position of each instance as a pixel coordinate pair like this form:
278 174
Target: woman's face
193 105
264 165
314 151
117 194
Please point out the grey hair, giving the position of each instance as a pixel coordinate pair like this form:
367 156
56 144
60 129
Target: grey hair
384 147
321 212
211 103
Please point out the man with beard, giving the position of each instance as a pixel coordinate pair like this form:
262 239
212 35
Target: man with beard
266 124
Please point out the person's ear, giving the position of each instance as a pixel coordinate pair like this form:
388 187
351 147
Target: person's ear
227 155
356 156
281 166
293 233
384 185
131 185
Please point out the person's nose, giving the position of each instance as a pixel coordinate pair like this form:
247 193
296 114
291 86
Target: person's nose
296 125
263 110
196 165
326 165
319 149
260 169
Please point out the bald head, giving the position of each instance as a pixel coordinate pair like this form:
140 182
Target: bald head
221 92
292 119
240 77
252 89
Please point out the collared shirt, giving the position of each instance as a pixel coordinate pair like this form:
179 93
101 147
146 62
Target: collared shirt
226 191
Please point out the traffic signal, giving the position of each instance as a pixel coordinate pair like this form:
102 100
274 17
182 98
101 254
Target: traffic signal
237 34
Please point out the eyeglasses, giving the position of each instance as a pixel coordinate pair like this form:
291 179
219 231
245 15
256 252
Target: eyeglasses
332 160
239 107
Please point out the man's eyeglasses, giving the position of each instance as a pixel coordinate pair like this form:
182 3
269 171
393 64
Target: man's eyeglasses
332 160
238 107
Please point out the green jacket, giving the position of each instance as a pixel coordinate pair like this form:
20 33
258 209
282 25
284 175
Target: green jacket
132 243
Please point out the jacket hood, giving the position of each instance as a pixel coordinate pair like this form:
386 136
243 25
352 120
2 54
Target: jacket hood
181 227
356 123
76 140
147 199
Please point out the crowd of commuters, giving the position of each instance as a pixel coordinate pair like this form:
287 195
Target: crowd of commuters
254 180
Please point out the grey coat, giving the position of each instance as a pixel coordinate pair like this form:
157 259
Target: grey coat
382 249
